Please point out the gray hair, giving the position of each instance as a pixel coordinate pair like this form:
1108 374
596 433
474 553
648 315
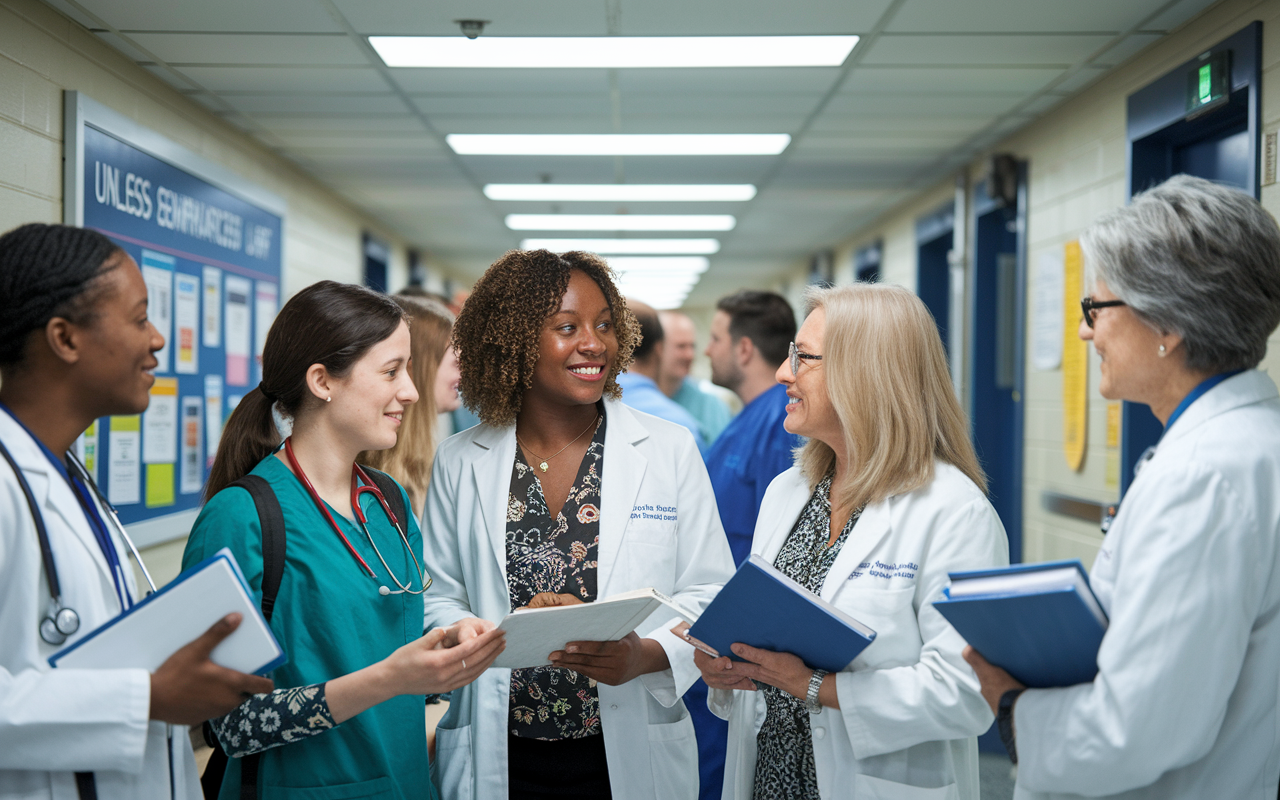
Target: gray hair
1198 259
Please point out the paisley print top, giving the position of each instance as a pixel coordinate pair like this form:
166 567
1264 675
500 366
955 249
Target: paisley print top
554 555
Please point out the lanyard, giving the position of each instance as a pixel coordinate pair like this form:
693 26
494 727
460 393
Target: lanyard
91 514
1195 395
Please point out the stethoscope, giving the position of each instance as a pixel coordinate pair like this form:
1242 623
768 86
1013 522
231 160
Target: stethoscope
361 483
61 621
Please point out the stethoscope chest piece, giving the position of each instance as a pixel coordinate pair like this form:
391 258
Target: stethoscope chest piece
58 624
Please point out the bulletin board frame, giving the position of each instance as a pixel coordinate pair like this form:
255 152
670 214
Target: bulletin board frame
258 227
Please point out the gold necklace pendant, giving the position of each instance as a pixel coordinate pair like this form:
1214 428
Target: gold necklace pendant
543 466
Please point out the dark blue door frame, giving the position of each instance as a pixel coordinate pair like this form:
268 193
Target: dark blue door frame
933 268
1221 144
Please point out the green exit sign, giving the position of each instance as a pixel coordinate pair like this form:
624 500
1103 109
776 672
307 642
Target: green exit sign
1209 81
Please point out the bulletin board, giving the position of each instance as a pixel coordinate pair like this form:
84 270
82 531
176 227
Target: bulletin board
209 247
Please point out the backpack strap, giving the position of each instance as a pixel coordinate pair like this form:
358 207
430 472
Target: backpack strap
392 492
271 520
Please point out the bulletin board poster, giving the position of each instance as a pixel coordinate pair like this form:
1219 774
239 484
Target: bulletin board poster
211 262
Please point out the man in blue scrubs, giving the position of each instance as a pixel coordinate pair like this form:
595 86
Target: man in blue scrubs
750 337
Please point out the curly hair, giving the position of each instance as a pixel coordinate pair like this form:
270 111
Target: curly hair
499 331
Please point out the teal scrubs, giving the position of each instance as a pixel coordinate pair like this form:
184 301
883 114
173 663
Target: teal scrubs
331 621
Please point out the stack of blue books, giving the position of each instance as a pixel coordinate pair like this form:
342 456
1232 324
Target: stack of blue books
763 608
1041 623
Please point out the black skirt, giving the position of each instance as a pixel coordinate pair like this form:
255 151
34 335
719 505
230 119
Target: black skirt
538 769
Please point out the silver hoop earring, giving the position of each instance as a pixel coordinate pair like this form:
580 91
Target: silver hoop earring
1163 352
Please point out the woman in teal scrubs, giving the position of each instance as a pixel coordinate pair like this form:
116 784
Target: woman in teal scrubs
350 721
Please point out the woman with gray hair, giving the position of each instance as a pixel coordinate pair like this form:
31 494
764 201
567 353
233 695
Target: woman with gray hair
1185 290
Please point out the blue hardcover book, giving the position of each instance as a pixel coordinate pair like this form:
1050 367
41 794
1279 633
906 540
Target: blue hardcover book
761 607
1041 623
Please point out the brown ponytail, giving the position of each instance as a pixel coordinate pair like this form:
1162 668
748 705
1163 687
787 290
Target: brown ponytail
328 323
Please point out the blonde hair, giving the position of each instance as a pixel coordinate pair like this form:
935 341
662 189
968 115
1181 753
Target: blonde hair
409 462
886 376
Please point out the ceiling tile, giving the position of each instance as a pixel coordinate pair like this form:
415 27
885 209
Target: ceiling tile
808 80
1178 14
982 106
472 82
747 17
989 16
1080 79
284 16
318 104
300 80
516 105
980 49
506 18
935 80
339 125
208 48
1127 48
897 125
340 141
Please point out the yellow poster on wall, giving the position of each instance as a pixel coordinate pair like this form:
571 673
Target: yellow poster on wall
1075 361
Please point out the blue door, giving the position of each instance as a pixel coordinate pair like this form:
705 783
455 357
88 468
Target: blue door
933 279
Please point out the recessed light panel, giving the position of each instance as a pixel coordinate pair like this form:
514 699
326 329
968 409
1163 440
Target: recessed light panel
620 192
612 52
621 222
618 144
626 246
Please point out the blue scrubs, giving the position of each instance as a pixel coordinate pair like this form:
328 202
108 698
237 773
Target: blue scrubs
744 460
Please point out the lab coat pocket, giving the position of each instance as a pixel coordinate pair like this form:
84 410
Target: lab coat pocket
452 768
362 790
890 613
673 759
866 787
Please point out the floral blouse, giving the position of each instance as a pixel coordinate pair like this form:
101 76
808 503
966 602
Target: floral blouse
784 761
269 720
546 555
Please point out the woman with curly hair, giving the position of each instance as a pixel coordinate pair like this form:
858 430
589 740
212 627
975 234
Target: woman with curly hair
564 495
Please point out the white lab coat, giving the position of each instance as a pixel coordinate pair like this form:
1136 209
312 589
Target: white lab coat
910 706
54 723
1185 701
649 739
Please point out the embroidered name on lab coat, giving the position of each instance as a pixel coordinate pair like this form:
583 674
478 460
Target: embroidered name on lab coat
655 511
879 569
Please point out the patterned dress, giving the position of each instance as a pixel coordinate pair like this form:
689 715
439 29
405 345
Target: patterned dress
784 761
554 555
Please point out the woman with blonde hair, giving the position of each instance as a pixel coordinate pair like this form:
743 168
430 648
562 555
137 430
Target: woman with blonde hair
434 370
886 498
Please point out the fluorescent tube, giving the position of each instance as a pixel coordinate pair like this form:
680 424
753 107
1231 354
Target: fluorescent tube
620 192
618 144
625 246
621 222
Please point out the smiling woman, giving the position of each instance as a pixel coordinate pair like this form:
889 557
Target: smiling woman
551 487
348 610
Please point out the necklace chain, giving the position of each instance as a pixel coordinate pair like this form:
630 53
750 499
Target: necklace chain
543 461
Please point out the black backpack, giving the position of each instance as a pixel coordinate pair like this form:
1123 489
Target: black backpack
271 519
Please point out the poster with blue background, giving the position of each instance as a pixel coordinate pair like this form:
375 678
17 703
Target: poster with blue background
211 260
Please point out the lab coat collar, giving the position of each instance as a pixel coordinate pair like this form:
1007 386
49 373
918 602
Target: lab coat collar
494 454
51 492
866 535
1249 387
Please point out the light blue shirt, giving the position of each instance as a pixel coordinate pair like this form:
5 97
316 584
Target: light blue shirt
710 411
642 394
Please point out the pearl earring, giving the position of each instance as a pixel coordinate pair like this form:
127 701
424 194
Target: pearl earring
329 399
1163 352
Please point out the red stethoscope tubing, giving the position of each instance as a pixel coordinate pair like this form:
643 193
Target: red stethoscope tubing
356 473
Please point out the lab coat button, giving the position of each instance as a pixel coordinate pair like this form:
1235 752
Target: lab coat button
819 733
614 706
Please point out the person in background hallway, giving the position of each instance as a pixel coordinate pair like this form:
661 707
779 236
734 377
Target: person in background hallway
550 501
680 346
640 382
349 721
750 334
76 345
887 497
434 369
1184 291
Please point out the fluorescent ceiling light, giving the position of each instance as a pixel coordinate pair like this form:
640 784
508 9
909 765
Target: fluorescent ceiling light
633 265
618 144
621 222
620 192
613 52
626 246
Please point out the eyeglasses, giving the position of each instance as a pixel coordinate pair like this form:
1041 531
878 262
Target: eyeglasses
797 356
1088 305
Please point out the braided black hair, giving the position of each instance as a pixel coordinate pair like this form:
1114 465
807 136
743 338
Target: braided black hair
46 271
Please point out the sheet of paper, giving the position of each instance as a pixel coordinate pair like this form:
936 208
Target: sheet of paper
157 273
192 464
159 485
124 470
237 329
212 307
264 313
1075 362
212 416
186 320
160 423
1047 310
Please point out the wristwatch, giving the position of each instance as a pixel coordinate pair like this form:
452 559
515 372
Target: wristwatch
1004 722
815 685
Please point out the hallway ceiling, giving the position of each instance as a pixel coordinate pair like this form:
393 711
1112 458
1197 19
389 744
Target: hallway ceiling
931 83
